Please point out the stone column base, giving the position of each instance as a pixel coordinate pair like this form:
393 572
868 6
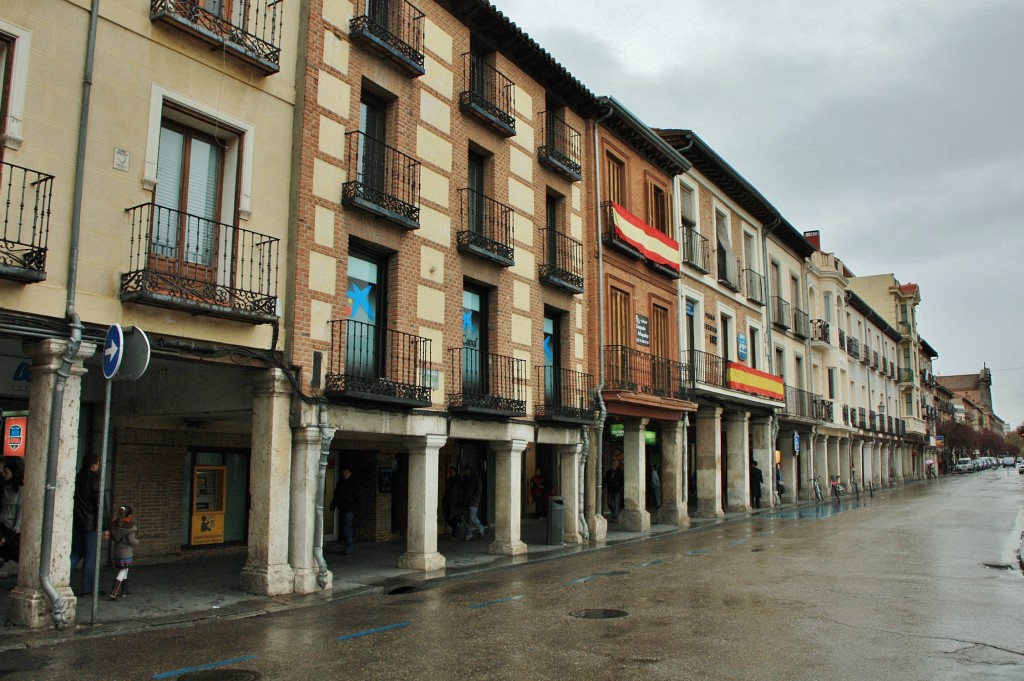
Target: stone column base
742 508
674 515
306 581
708 509
268 580
424 562
27 607
513 548
635 520
598 527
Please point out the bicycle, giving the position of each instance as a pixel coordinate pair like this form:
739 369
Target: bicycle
818 496
837 487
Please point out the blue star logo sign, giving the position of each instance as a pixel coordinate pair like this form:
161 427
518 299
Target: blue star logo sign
360 298
467 322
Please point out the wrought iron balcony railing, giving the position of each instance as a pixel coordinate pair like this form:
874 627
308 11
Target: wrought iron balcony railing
820 331
640 372
486 383
801 323
854 418
25 201
488 228
862 417
696 250
823 409
188 262
874 360
842 340
488 94
781 316
706 368
728 270
564 395
846 414
800 403
563 261
377 364
562 149
248 29
906 376
852 347
753 284
865 355
383 181
872 421
394 30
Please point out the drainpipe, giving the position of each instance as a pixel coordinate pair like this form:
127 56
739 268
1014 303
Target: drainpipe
600 319
768 229
58 605
581 484
326 437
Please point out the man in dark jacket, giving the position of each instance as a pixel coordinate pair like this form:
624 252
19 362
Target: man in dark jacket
346 500
756 479
472 491
83 529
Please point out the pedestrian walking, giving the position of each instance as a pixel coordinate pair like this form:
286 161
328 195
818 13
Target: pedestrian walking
11 503
756 479
83 527
537 494
346 499
451 502
615 483
472 491
654 486
124 537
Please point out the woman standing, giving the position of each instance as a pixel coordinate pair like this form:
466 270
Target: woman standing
124 537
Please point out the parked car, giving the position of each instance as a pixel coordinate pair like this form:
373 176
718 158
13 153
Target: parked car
1020 467
1008 461
964 465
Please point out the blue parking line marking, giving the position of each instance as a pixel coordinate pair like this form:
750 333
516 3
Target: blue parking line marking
581 580
652 562
500 600
378 630
698 552
212 665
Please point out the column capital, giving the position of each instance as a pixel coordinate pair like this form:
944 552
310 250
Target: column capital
425 443
268 382
508 446
48 354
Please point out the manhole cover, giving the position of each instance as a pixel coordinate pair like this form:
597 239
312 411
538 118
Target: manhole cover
998 566
407 589
598 613
220 675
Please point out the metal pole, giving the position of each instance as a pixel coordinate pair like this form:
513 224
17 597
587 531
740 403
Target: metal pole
99 513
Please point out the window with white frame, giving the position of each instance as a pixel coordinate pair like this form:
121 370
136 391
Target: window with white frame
15 47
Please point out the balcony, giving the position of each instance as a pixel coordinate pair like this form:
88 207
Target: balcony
842 340
562 150
862 418
386 182
865 355
566 395
25 201
854 418
486 384
641 372
874 360
706 368
801 323
488 95
906 376
696 250
488 228
251 33
393 30
781 316
872 421
753 284
800 403
728 270
186 262
823 410
820 332
373 364
563 262
853 347
846 414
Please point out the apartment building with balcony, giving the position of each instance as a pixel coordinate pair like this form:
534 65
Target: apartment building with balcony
440 290
155 197
977 388
723 299
636 312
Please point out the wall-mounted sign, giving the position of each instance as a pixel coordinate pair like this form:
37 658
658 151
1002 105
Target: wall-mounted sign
643 330
741 347
796 442
689 308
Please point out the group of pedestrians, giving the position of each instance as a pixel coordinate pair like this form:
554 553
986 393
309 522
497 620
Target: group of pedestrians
461 503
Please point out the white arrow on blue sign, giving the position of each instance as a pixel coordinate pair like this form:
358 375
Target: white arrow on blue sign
113 351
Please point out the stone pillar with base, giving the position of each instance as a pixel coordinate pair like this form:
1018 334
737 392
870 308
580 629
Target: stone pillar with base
876 462
421 535
788 459
569 468
634 516
763 453
307 442
845 462
822 468
508 497
27 604
834 465
673 474
737 439
709 462
861 453
884 464
594 495
267 571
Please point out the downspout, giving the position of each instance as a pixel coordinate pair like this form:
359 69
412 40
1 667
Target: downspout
326 437
684 492
768 229
599 458
57 603
581 485
808 376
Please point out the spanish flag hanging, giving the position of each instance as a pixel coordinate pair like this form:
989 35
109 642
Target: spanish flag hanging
743 378
651 243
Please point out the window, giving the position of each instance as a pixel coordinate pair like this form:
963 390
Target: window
687 210
776 279
831 384
619 317
727 262
552 210
373 160
725 336
798 370
749 252
754 351
794 292
475 182
780 364
615 180
474 340
365 300
827 307
658 213
552 355
661 348
15 48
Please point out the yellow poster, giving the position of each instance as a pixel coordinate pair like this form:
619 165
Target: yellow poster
208 494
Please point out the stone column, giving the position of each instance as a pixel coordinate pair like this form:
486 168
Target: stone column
569 468
884 464
673 474
791 475
634 516
845 461
876 462
508 465
737 437
709 462
27 604
593 498
421 535
266 570
306 448
834 465
764 453
821 462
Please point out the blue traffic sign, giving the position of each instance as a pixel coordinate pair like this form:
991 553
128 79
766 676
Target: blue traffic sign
796 442
113 351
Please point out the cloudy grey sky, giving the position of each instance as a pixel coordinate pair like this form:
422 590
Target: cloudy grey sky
894 127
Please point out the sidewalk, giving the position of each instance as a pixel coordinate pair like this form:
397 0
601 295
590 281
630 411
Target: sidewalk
200 587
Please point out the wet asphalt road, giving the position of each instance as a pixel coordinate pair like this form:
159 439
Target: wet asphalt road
920 583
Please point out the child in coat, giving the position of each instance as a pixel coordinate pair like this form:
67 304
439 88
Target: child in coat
124 537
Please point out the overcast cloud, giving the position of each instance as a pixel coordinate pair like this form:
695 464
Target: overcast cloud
895 128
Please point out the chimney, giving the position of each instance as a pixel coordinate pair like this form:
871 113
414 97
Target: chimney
814 236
